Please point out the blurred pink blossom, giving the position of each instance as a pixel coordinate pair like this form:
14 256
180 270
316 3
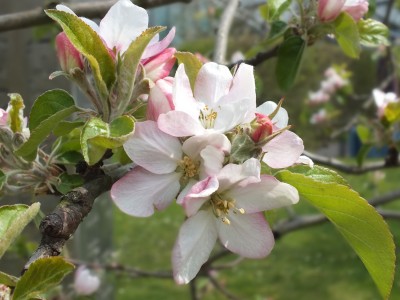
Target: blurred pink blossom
85 282
329 10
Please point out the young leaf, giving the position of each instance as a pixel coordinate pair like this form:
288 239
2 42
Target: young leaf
98 136
8 279
15 113
359 223
373 33
319 174
65 127
48 110
41 276
89 43
129 66
13 219
273 9
192 65
346 33
392 112
290 55
69 182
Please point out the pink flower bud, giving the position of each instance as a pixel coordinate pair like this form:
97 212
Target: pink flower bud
3 117
356 8
329 10
262 127
68 56
85 283
159 66
160 98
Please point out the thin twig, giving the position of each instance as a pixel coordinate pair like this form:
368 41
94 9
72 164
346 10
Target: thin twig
221 42
194 295
221 288
98 9
259 58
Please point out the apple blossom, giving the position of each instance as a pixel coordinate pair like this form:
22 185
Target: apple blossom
285 149
3 117
85 282
165 167
318 97
218 103
382 99
356 8
228 206
319 117
159 66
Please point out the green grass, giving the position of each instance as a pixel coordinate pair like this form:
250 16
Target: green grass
314 263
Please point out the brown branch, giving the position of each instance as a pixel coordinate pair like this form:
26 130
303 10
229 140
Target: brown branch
221 288
36 16
58 226
350 169
259 57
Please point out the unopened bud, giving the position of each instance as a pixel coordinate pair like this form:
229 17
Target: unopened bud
6 135
18 140
85 282
68 56
262 127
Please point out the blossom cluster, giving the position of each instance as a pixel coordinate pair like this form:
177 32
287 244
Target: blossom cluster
203 147
202 144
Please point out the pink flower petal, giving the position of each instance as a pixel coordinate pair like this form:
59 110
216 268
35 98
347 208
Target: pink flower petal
283 151
139 191
248 235
267 194
179 124
122 24
160 99
199 194
195 242
153 149
213 81
329 10
160 65
157 47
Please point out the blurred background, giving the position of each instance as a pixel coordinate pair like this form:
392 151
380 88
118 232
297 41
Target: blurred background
313 263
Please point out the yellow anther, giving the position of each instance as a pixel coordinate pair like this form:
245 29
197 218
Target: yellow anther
226 221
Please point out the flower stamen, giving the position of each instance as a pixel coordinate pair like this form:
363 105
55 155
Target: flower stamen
221 207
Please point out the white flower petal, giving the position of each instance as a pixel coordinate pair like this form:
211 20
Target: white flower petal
280 120
139 191
183 95
153 149
305 160
179 124
122 24
195 242
212 161
233 174
195 144
267 194
213 81
243 87
283 151
185 191
248 235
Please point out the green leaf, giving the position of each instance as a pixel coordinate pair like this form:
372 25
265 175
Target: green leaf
47 111
373 33
97 136
69 182
290 55
7 279
273 9
65 127
41 276
346 33
13 219
70 157
192 65
89 43
364 134
359 223
362 154
319 174
15 112
129 66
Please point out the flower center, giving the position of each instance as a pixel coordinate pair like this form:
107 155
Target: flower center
222 205
207 117
190 168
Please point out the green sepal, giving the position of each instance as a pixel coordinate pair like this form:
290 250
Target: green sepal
192 65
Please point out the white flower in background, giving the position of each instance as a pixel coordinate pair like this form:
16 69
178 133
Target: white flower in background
382 100
319 117
85 282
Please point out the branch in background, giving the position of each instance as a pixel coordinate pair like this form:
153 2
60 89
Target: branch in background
221 42
58 226
218 286
259 57
91 10
349 169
